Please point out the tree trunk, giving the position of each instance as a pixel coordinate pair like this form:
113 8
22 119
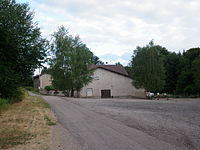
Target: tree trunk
72 92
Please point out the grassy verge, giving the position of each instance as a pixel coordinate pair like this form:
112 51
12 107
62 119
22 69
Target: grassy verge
36 91
4 104
26 125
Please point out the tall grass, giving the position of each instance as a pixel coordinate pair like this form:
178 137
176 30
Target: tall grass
4 104
16 96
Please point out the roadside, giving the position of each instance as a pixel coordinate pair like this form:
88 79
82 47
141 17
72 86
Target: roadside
26 125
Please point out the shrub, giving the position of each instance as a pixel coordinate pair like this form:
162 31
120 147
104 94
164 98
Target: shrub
17 95
34 90
29 88
49 88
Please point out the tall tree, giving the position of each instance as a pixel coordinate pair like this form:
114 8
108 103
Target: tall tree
69 68
189 73
196 74
148 68
22 49
173 68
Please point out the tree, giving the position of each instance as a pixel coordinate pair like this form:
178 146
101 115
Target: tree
196 74
148 68
188 78
97 61
69 67
22 49
173 69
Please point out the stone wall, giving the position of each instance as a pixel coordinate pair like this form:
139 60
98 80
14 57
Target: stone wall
45 80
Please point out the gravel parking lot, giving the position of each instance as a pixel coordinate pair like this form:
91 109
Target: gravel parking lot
174 121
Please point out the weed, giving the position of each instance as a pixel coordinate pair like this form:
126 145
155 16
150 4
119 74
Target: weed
49 121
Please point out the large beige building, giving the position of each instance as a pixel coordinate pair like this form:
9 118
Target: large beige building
111 81
108 81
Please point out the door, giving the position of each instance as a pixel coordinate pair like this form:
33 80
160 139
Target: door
89 92
105 93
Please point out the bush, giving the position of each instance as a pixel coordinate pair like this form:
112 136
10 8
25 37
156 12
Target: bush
49 88
29 88
17 95
34 90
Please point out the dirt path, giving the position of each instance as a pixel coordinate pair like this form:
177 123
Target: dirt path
82 129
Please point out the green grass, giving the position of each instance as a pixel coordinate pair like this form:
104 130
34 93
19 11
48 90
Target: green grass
12 137
4 104
29 88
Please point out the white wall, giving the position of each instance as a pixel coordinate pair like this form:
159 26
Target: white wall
119 85
45 80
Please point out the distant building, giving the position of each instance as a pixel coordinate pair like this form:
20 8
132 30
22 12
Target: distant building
40 81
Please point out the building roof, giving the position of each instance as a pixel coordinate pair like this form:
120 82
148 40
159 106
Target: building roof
113 68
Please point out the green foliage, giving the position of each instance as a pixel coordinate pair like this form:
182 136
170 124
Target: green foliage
69 67
29 88
128 70
148 67
97 61
196 74
22 49
156 69
188 80
4 103
49 88
172 64
17 95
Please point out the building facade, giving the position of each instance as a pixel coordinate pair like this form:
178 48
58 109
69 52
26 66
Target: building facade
40 81
111 81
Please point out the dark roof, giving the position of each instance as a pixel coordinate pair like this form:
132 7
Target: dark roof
113 68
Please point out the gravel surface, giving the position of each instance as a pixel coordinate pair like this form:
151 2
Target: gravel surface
113 124
176 121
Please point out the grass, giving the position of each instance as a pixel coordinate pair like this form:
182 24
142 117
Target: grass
4 104
49 121
26 125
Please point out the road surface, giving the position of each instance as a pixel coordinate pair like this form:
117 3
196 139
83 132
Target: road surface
82 129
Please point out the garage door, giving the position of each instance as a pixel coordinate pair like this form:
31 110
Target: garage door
105 93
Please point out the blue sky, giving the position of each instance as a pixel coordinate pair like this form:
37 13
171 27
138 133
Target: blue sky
113 28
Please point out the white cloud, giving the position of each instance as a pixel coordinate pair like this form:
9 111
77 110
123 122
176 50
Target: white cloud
117 26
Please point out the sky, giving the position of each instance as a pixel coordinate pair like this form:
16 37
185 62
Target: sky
112 29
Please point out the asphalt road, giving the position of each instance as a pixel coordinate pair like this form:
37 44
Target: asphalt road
80 128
